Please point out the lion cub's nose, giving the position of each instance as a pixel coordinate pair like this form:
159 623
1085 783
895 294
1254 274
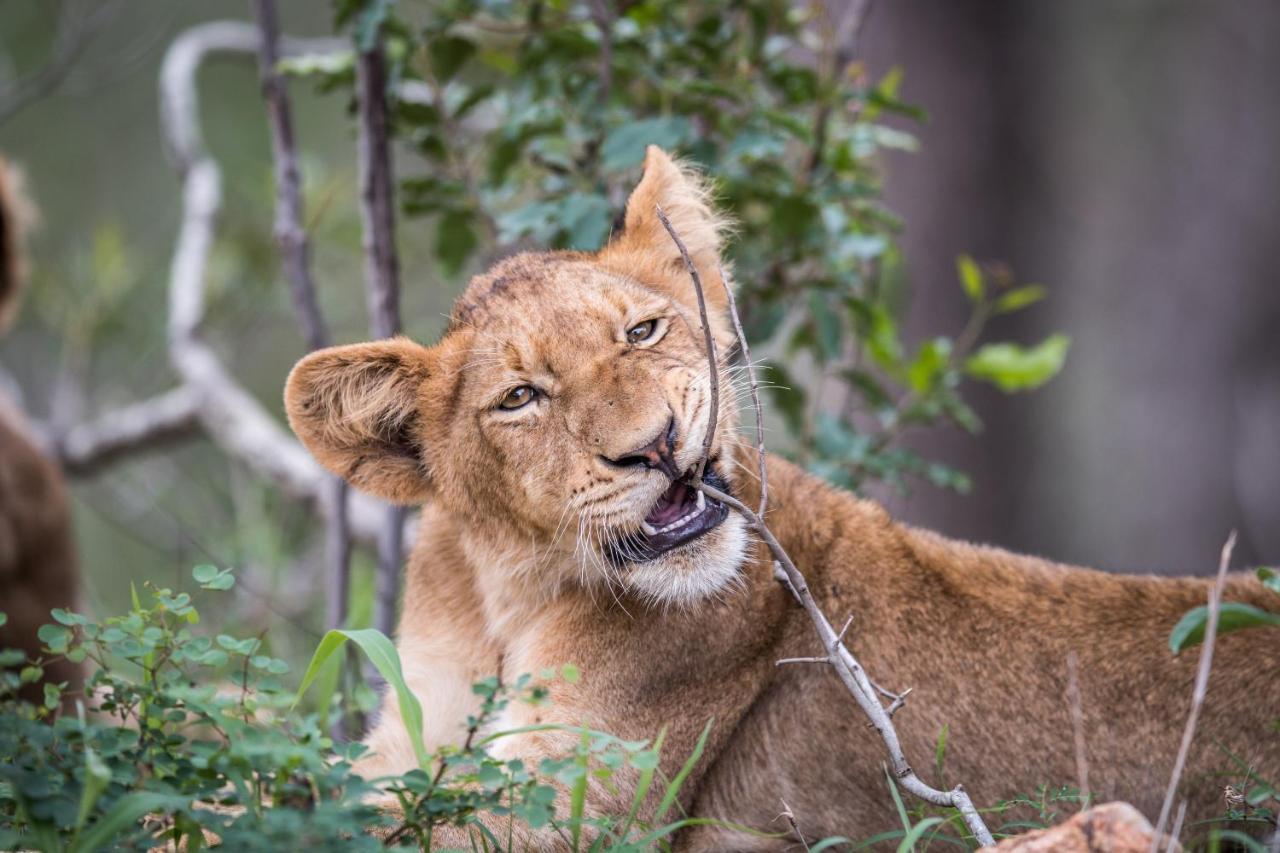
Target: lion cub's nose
658 453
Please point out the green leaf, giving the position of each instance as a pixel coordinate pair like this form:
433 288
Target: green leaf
1270 579
448 54
1013 368
1020 297
4 619
1232 616
882 339
66 617
585 219
971 278
54 636
382 654
928 365
917 832
455 240
204 573
570 673
673 788
624 146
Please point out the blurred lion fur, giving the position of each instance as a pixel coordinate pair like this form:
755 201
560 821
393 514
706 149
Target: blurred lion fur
17 218
37 552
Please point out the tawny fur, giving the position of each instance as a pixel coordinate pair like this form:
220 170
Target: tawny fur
508 573
37 554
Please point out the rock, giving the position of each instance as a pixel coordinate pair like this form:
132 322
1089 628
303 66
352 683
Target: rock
1109 828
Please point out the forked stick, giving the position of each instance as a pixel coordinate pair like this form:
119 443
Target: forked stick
838 655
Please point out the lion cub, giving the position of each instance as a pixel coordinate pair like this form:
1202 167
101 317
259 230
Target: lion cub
547 434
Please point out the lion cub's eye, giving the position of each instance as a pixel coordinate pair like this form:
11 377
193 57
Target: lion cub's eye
641 332
518 398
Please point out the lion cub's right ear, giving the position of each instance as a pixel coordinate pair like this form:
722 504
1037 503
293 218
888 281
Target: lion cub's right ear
360 409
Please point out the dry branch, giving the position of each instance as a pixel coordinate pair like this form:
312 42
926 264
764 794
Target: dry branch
1201 685
232 418
847 667
382 278
1076 706
295 253
291 236
242 428
89 447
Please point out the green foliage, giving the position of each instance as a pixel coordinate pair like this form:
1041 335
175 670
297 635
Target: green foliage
183 738
1232 616
175 733
534 126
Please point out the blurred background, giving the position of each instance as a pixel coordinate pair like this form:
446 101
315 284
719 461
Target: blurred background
1122 154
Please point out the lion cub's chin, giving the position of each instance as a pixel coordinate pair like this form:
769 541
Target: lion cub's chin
692 573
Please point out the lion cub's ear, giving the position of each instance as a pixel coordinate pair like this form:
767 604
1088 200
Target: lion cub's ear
685 199
359 409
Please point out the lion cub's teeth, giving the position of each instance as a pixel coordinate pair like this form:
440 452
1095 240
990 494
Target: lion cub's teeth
648 528
702 501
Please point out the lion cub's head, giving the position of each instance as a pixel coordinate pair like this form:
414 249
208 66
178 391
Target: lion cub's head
556 418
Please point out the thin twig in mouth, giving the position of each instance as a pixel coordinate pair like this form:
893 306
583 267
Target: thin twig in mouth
847 667
713 414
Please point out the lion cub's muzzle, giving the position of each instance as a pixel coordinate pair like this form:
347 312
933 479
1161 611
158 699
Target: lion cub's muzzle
680 515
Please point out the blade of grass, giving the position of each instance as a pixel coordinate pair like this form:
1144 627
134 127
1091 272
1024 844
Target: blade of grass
382 654
908 843
661 832
642 787
897 800
673 789
127 811
578 794
97 776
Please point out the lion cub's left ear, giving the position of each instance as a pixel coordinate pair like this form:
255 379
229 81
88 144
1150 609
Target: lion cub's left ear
360 410
644 243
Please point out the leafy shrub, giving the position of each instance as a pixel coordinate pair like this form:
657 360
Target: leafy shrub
537 122
187 738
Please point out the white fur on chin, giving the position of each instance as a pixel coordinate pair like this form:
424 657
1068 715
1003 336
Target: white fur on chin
689 575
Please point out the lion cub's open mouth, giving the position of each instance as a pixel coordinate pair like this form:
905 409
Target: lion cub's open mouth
680 515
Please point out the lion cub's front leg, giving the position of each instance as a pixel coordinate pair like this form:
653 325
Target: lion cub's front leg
443 652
